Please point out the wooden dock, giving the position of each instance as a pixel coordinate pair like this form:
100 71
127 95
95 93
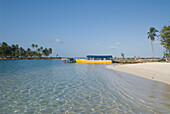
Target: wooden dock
68 60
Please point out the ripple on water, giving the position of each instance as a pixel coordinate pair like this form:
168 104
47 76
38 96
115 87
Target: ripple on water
47 86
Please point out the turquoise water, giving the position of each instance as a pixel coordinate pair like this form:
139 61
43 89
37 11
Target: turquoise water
49 86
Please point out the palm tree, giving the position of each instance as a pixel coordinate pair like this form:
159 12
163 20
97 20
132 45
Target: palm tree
47 52
38 50
123 55
17 50
33 46
151 35
36 45
22 51
13 50
41 48
28 52
4 49
50 50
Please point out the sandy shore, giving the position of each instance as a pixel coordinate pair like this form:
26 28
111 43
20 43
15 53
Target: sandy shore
154 71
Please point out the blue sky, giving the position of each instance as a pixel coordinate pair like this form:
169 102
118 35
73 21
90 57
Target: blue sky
80 27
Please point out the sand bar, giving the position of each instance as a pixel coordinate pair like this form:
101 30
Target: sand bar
154 71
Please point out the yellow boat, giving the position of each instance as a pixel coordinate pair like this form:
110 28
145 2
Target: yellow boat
96 59
92 61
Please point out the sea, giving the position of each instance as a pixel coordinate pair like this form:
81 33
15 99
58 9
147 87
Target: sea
53 87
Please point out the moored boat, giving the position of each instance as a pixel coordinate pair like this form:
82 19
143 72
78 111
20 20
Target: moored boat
96 59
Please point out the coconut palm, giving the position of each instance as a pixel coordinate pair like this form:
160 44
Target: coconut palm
33 46
36 45
45 52
41 48
5 50
151 35
38 50
13 50
123 55
21 51
17 50
28 52
50 50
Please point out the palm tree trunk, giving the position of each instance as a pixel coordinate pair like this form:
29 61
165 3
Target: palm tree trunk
152 48
169 56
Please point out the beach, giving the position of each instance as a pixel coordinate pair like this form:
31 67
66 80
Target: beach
154 71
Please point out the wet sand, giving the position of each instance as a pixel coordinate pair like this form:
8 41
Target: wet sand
154 71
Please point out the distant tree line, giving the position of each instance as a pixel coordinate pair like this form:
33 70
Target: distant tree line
14 51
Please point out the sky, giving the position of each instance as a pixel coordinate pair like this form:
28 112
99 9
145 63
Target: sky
76 28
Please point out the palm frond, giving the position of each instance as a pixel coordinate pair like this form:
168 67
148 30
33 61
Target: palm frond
156 30
154 34
148 36
152 29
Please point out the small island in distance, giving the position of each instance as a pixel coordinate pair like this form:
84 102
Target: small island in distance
15 52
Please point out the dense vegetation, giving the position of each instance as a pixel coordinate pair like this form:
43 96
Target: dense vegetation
165 40
164 37
14 51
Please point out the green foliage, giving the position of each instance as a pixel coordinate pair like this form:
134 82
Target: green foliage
5 50
36 46
165 38
32 45
151 35
46 51
123 55
14 51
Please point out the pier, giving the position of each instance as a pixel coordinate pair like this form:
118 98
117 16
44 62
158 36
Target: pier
68 60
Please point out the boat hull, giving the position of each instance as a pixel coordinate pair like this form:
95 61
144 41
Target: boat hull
93 61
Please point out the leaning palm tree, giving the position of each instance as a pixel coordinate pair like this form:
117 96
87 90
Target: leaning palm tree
151 35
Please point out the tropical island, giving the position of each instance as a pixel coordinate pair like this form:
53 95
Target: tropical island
15 52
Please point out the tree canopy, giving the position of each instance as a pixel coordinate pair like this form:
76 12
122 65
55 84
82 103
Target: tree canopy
165 38
14 51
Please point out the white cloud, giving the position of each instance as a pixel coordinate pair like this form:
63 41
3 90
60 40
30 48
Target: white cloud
58 40
116 43
113 47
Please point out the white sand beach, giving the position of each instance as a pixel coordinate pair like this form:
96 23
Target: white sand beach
154 71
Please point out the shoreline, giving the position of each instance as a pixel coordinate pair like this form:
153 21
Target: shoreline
153 71
30 58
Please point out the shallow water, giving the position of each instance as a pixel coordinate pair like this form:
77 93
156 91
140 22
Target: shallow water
49 86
